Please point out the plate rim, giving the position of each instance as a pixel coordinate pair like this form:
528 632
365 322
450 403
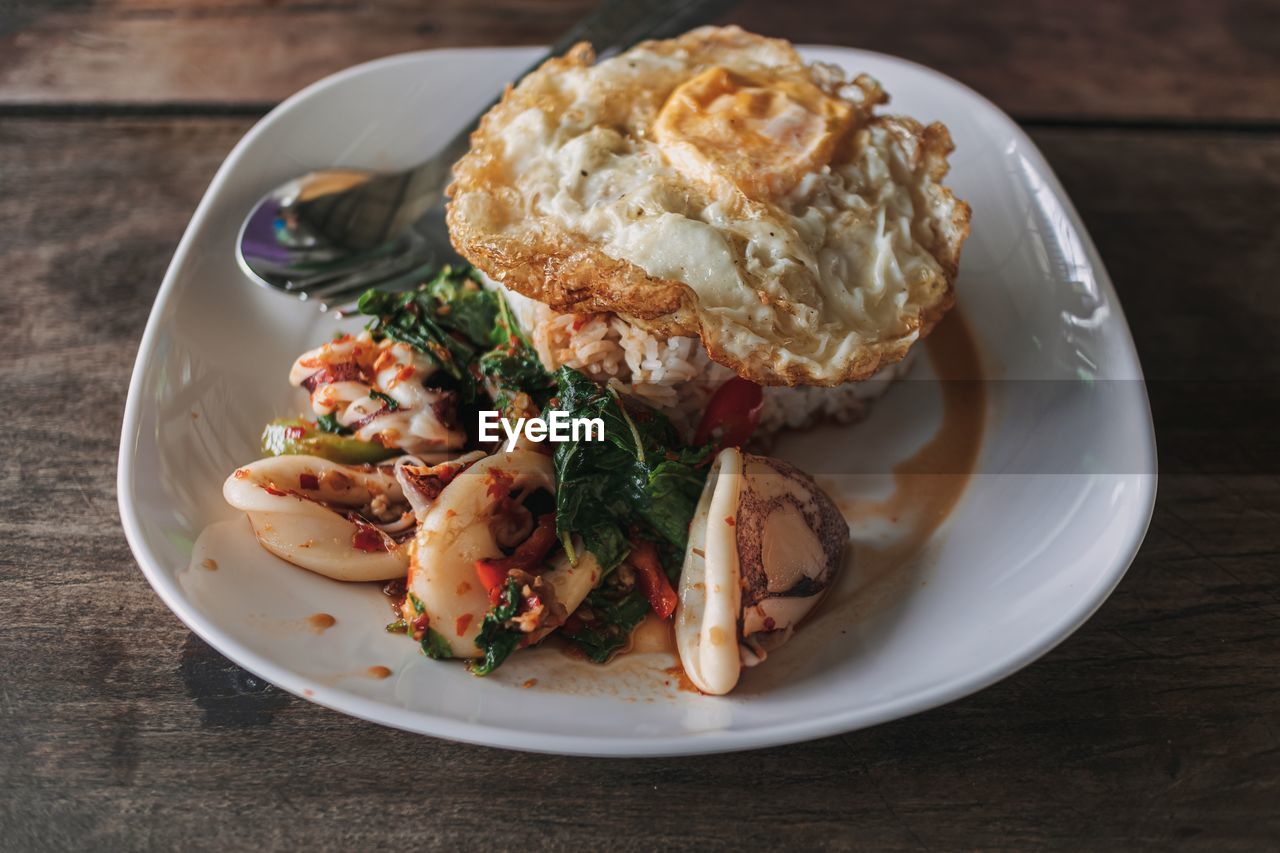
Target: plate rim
425 722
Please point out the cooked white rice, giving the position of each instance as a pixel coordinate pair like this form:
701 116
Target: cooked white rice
674 375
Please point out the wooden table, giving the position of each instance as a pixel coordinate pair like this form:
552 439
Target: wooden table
1157 725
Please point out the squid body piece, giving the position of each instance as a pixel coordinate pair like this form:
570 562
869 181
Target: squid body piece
764 545
298 507
461 528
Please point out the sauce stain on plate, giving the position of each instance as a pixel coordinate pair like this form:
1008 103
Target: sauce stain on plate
893 534
333 679
320 622
928 484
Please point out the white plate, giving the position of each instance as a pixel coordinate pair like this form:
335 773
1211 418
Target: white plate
1044 532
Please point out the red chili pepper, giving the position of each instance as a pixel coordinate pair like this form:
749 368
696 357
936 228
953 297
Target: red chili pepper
732 412
491 577
528 556
294 432
499 487
462 622
309 481
369 539
652 579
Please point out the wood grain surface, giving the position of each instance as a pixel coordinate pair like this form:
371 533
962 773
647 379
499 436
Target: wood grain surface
1156 726
1131 59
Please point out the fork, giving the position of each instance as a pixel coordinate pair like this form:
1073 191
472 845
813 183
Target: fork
332 233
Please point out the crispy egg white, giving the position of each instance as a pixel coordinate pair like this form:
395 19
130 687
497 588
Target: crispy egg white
715 184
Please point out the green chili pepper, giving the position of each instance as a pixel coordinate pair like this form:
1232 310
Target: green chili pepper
296 437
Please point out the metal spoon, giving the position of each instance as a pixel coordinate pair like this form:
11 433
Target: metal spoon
332 233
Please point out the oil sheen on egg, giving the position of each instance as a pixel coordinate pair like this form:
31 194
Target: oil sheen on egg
716 185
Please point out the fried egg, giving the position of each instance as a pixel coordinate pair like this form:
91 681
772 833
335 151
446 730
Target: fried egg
714 184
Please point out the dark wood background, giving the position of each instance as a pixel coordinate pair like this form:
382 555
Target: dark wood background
1156 726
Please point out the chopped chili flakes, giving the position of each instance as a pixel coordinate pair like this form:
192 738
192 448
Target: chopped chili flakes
463 622
369 539
500 483
530 555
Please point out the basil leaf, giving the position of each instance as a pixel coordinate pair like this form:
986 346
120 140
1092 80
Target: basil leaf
671 492
462 304
615 619
386 399
639 475
329 423
512 367
495 639
436 646
422 320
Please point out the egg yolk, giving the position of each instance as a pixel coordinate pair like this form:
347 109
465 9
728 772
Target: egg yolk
762 136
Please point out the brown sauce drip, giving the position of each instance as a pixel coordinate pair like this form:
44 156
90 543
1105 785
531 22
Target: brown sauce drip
681 679
928 484
396 592
563 646
320 622
378 672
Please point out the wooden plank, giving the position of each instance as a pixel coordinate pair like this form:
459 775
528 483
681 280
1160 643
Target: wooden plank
1184 60
1154 726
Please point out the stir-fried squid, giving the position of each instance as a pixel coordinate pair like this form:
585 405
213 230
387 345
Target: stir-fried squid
763 547
476 514
497 550
337 520
423 483
381 392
